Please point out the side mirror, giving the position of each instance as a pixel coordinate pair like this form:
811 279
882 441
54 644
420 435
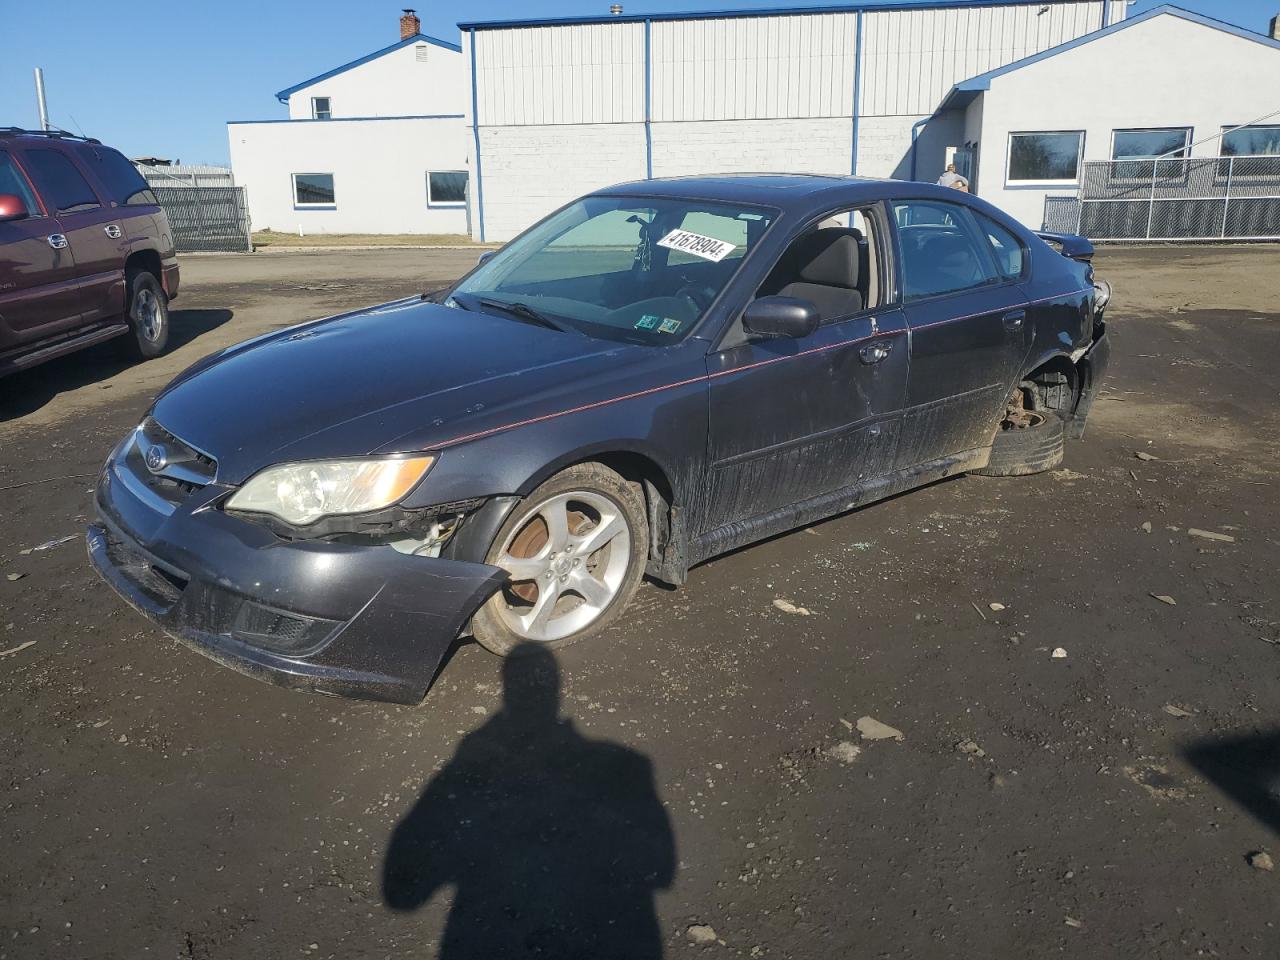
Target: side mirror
781 317
485 257
12 208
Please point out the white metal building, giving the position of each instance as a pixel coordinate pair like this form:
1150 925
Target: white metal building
563 106
1164 83
426 136
377 145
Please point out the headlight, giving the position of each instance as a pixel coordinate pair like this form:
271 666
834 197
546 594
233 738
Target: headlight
302 493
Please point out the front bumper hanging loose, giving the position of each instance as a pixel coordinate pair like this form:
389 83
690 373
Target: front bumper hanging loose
338 618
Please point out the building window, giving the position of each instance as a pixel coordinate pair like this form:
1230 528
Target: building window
446 188
1158 152
1170 143
320 109
1251 142
1045 157
313 190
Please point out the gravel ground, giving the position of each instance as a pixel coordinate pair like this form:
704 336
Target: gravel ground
706 779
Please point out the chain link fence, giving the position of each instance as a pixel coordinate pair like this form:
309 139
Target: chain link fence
206 211
1228 198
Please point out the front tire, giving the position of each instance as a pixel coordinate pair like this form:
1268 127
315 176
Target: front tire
147 312
575 550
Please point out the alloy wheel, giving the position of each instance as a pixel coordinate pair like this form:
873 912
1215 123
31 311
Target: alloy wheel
567 562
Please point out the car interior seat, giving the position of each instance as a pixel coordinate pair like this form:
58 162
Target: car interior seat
827 267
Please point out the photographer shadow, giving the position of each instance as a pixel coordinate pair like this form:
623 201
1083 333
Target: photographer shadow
554 843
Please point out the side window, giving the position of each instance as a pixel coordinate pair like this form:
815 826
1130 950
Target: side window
939 250
833 264
14 183
63 186
320 108
123 182
1010 255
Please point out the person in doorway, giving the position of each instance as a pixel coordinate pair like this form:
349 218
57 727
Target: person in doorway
952 179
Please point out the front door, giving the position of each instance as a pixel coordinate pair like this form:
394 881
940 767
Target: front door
791 419
969 332
91 227
39 292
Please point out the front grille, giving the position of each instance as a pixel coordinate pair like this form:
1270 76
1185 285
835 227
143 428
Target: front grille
279 630
180 469
162 587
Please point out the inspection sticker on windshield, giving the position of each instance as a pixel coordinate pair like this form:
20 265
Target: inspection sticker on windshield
708 248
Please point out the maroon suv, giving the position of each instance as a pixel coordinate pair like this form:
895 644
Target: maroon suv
85 251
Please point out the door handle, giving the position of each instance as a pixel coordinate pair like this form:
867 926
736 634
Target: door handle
112 231
57 240
877 351
1014 319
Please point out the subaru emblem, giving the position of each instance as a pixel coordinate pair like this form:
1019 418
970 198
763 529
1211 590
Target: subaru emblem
157 458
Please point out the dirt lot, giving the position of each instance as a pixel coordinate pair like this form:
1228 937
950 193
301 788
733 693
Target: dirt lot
711 770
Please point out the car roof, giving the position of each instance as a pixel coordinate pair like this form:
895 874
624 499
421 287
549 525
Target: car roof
787 191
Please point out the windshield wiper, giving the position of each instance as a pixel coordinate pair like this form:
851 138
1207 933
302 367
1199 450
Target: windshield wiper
521 310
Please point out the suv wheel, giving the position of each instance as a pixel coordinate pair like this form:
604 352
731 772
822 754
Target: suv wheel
148 315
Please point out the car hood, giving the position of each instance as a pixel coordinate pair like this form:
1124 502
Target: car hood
403 376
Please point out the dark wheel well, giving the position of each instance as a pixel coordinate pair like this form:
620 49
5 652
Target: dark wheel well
147 260
1053 386
666 525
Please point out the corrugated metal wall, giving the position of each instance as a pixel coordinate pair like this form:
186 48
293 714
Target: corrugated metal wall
577 73
912 58
754 68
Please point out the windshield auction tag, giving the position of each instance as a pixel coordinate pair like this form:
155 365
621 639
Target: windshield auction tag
708 248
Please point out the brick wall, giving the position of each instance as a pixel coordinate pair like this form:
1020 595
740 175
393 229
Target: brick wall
530 171
752 146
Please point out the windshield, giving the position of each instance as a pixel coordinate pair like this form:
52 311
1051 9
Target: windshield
621 268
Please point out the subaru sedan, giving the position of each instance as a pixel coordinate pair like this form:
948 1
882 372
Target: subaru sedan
653 375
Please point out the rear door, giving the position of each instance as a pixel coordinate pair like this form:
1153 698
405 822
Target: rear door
92 229
39 292
969 331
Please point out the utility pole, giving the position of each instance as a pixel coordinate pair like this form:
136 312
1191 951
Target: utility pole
44 107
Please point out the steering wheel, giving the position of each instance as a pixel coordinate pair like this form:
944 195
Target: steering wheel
697 295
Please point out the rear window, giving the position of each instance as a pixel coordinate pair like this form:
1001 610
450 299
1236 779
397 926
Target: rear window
123 182
63 186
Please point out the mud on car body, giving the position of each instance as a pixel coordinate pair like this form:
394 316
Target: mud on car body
655 374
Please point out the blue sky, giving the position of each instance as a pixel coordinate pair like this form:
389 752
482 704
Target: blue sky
164 82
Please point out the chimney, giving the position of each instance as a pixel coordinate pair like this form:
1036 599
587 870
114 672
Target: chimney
410 25
1275 27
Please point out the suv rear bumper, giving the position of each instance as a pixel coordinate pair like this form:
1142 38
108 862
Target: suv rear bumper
350 620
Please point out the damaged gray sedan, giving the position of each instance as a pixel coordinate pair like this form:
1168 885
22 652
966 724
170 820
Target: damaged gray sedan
655 374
